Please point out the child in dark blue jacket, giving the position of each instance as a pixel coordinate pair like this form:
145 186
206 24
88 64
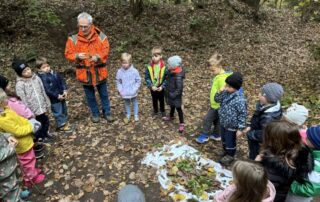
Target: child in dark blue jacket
267 110
56 90
232 116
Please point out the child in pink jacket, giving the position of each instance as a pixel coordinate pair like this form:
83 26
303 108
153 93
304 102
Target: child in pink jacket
251 184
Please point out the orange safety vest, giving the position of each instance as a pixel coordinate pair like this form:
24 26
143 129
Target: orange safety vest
88 72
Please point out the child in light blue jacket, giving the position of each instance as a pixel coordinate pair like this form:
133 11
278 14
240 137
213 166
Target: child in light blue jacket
128 84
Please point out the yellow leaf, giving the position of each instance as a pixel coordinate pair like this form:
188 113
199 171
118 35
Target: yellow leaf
178 197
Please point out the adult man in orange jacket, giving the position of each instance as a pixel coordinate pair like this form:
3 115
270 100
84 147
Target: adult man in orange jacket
89 50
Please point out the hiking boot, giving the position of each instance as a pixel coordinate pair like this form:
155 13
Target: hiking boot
109 118
202 138
226 160
95 119
66 128
181 127
215 137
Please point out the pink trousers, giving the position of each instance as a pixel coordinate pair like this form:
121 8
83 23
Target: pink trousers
28 164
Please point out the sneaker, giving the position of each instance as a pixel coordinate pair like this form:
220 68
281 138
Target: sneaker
126 120
109 118
226 160
215 137
95 119
136 118
167 118
181 127
66 128
202 138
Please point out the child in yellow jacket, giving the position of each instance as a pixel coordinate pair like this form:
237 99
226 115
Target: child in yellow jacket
22 130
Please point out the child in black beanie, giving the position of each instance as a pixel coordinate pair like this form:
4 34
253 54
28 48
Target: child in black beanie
232 115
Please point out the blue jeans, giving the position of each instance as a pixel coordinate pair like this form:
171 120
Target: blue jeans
228 139
127 106
60 113
92 102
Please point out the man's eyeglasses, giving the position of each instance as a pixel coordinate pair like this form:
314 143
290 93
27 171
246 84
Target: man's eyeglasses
83 26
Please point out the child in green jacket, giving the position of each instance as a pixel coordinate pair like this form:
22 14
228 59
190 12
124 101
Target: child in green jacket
212 117
305 191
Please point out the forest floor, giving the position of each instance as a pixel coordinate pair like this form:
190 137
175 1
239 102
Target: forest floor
93 162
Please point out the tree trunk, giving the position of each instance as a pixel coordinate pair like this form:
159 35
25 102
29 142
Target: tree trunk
136 7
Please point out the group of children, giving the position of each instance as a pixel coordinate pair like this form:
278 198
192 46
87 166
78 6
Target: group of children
284 154
24 123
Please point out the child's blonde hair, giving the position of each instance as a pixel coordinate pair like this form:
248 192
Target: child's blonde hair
3 98
251 182
126 57
215 59
41 61
156 50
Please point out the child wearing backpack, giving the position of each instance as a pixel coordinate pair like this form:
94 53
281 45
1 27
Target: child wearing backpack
267 110
212 116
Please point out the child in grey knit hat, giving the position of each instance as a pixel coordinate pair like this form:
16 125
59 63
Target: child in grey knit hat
268 109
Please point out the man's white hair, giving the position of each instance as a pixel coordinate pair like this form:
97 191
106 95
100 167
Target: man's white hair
86 16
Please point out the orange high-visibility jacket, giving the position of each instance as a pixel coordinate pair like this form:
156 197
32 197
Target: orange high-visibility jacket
89 72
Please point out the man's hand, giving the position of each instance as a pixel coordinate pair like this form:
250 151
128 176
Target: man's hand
82 56
94 58
13 141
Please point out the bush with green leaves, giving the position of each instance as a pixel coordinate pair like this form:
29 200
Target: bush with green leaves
308 9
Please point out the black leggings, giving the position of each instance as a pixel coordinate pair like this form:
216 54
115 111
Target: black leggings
180 113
